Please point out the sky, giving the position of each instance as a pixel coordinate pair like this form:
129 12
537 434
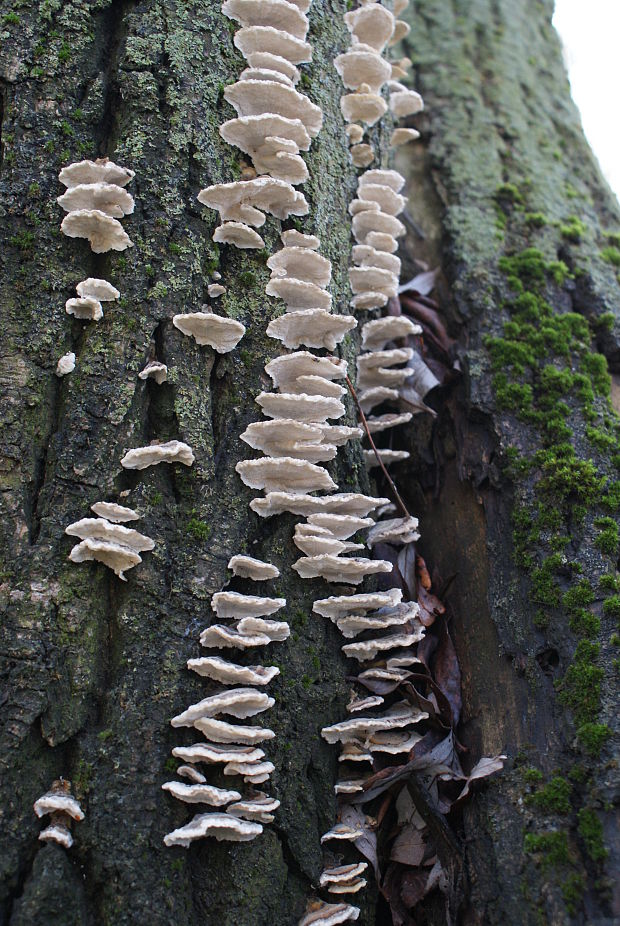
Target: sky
590 33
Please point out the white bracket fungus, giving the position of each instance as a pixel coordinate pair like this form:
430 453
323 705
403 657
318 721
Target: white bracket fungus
239 235
398 716
220 731
188 771
275 631
172 451
116 557
100 171
376 334
329 914
266 39
102 231
200 793
362 107
296 239
233 604
246 567
305 505
154 370
222 334
298 294
276 13
310 328
403 136
285 474
286 369
371 25
260 807
84 308
339 569
106 197
302 263
101 290
304 408
342 526
228 673
387 457
221 826
223 637
370 649
66 364
215 290
113 512
247 200
256 97
337 605
344 832
397 531
101 529
214 753
405 103
238 702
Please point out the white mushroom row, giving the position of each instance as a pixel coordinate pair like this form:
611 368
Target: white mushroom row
59 804
94 201
106 539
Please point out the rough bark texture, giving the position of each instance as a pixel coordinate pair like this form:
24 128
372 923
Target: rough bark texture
94 668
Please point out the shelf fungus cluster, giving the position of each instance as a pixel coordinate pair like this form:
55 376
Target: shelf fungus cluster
62 809
237 691
365 71
107 540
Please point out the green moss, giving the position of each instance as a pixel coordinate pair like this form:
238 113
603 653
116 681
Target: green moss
607 540
23 240
580 689
611 255
247 278
590 829
611 606
104 735
64 53
532 775
592 737
572 891
552 848
554 797
10 19
545 589
198 529
573 229
535 219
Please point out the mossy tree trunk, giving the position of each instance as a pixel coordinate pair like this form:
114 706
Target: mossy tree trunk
94 668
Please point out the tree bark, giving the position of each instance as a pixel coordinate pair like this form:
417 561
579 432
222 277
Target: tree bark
93 668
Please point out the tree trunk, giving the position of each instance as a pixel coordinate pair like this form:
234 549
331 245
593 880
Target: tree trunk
95 668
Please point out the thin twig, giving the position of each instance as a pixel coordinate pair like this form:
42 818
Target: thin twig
390 481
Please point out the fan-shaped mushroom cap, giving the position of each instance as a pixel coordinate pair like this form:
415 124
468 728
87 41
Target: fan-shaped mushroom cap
369 649
286 369
222 637
275 436
276 13
275 159
383 177
387 457
264 59
371 25
221 826
302 263
392 742
405 103
383 376
102 231
188 771
403 136
305 505
246 200
339 605
365 256
220 731
100 290
362 107
228 673
251 39
255 97
276 631
249 568
339 434
251 771
362 205
352 752
382 241
233 604
310 328
265 74
259 807
398 716
342 526
249 133
361 704
353 624
379 332
59 833
342 831
113 512
383 358
298 294
338 569
348 887
238 702
373 279
154 370
380 423
107 197
100 529
115 556
315 544
291 238
350 786
397 530
317 385
342 873
223 334
100 171
359 66
200 793
399 5
87 308
286 474
238 234
367 222
401 30
215 290
58 800
329 914
362 155
376 395
213 753
66 364
389 202
354 133
173 451
301 407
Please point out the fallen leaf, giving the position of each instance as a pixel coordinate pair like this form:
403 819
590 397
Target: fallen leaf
409 847
447 673
423 283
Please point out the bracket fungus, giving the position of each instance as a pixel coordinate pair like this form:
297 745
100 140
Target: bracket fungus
299 294
311 328
305 505
228 673
191 773
302 263
154 370
220 731
63 809
172 451
275 631
101 529
216 753
301 407
101 290
238 702
285 474
100 171
200 793
405 102
117 514
286 369
342 832
252 39
276 13
362 65
396 531
332 568
370 649
379 332
220 826
102 231
115 556
396 717
239 235
386 457
371 25
403 136
337 605
341 526
269 61
234 604
66 364
247 200
84 308
329 914
222 637
296 239
247 567
259 807
221 333
106 197
255 97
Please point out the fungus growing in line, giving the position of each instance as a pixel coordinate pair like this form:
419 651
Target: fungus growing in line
388 201
252 39
315 544
247 200
233 604
59 800
279 436
221 826
403 136
365 256
286 369
275 631
382 241
221 333
259 807
351 625
115 556
383 177
255 772
383 358
362 65
101 529
405 103
369 649
299 294
343 873
188 771
376 395
302 407
387 457
398 716
239 235
301 263
339 569
101 290
220 731
215 289
339 605
222 637
200 793
392 742
343 832
264 59
276 13
317 385
100 171
397 531
341 526
102 231
154 370
354 133
339 434
368 300
66 364
362 155
265 134
246 567
279 158
256 97
373 279
291 238
117 514
376 334
361 704
362 107
329 914
285 474
214 753
367 222
172 451
105 197
311 328
371 25
383 376
228 673
84 308
238 702
305 505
